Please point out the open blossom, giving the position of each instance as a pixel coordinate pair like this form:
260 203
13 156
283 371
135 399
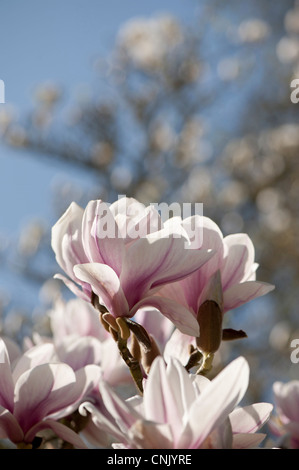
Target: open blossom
183 411
226 281
80 340
122 254
285 423
37 390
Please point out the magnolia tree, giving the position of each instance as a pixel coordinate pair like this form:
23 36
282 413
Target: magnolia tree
138 359
130 361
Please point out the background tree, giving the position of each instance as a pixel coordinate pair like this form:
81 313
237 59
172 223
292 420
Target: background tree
187 114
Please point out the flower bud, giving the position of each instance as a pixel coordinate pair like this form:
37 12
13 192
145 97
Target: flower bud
209 318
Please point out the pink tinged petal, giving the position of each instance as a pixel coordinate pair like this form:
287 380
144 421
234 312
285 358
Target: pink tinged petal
152 262
212 239
77 351
41 354
82 294
147 435
177 347
62 431
75 317
179 315
199 383
250 419
106 285
13 349
252 273
6 380
103 421
66 239
87 383
96 438
247 441
216 402
287 399
157 324
220 438
239 259
147 222
43 390
101 240
130 213
9 426
123 414
168 394
239 294
115 370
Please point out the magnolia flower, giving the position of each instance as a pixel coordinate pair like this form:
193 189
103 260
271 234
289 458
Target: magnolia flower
35 394
286 422
225 282
120 255
182 411
75 317
79 340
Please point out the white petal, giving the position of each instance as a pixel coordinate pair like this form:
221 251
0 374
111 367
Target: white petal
179 315
239 294
250 419
239 259
104 283
215 402
6 380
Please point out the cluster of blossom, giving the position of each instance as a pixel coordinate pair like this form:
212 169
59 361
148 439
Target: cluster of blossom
149 316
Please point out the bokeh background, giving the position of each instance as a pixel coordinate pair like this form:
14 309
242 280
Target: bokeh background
184 101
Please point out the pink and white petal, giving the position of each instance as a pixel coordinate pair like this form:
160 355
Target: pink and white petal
86 386
247 441
125 210
179 315
166 396
115 371
156 324
103 421
106 285
45 389
252 273
216 402
6 380
122 414
74 288
212 239
239 294
79 351
75 317
146 222
40 354
250 419
66 239
286 397
9 426
62 431
152 262
101 239
13 349
177 347
147 435
239 258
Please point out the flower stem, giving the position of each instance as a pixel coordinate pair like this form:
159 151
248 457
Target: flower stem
131 362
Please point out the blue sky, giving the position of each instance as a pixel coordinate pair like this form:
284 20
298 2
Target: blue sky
57 41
